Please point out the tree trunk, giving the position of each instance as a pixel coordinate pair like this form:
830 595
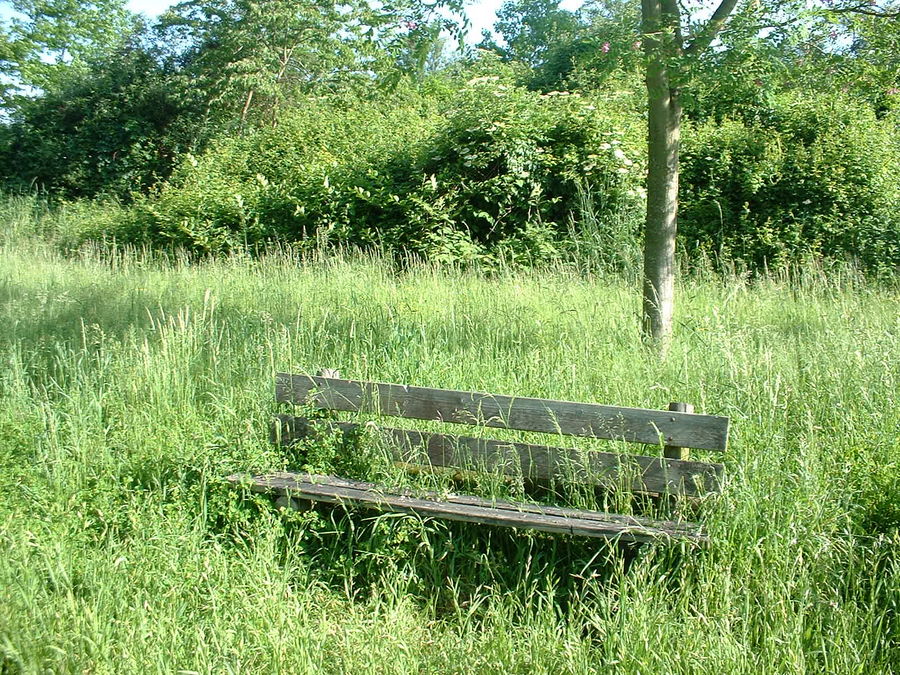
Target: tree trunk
246 109
664 133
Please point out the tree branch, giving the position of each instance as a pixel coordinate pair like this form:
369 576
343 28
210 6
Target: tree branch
868 9
712 28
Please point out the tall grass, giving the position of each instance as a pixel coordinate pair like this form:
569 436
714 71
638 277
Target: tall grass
132 384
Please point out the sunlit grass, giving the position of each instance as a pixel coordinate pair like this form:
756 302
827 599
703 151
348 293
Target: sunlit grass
131 385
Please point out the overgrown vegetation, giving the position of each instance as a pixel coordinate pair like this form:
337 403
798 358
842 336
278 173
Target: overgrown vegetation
492 166
134 382
239 188
229 127
808 179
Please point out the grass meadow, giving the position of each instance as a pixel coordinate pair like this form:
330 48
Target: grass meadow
132 383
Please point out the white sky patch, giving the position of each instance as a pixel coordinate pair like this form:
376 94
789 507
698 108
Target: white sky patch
149 7
482 16
6 11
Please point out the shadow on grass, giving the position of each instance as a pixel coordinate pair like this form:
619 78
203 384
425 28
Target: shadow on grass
446 566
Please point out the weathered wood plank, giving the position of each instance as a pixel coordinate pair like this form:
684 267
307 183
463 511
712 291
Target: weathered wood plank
533 462
470 509
636 425
514 506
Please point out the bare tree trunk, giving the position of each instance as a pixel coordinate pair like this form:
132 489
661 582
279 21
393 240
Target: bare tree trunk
246 109
661 44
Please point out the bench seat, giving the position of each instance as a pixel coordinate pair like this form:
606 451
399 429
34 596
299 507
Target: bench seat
523 515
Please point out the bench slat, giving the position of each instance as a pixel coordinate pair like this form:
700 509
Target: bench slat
533 462
471 509
636 425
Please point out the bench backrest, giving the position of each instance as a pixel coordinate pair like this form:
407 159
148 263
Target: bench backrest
672 430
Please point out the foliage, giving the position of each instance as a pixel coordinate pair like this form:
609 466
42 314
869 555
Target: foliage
603 54
813 178
46 40
508 163
740 81
253 58
869 67
848 51
251 55
528 28
452 178
585 49
119 127
347 124
321 173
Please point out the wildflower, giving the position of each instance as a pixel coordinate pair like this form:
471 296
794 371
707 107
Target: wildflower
604 47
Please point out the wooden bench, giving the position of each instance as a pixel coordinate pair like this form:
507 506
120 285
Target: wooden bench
669 472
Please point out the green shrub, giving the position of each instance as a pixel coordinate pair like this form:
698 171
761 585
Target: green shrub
323 172
116 128
474 169
815 178
453 177
509 163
